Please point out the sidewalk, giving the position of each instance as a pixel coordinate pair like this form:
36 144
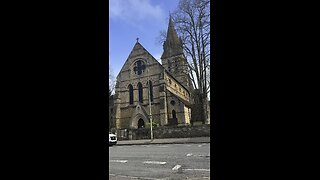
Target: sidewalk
165 141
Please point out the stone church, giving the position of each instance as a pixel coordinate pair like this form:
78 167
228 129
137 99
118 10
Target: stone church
146 89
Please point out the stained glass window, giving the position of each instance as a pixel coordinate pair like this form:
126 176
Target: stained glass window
139 67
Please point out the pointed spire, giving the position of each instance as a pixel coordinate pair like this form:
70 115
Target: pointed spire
172 46
170 27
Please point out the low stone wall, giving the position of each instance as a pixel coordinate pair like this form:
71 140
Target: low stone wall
165 132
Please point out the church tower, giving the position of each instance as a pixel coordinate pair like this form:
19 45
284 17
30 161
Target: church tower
173 59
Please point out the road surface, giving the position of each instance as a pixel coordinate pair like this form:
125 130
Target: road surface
167 161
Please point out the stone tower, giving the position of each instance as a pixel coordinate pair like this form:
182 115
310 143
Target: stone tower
173 59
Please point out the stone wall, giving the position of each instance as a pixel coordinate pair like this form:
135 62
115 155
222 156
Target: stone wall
165 132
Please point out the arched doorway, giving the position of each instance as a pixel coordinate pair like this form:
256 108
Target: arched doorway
174 118
174 114
140 123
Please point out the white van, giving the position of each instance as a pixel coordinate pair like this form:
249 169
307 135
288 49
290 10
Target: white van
112 139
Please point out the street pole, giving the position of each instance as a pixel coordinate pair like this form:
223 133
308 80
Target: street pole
150 104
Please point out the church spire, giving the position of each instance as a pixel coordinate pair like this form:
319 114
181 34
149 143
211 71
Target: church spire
172 46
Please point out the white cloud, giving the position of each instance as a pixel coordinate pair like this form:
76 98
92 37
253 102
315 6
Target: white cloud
133 11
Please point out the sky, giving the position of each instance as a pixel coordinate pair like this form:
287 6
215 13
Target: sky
132 19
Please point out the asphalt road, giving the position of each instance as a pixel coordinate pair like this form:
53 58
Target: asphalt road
168 161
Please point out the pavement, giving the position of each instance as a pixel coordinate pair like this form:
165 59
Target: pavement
165 141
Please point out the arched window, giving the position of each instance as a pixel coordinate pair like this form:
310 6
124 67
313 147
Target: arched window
150 91
140 92
130 94
139 67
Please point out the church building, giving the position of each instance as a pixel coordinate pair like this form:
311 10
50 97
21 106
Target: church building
146 89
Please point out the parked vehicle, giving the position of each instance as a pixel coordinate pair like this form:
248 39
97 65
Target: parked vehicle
112 139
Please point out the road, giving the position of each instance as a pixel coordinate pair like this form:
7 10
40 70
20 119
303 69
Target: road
167 161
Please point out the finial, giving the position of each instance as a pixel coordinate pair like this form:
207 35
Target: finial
137 39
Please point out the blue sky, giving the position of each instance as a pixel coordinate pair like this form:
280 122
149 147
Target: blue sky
129 19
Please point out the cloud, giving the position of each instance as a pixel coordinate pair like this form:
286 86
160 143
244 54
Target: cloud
134 11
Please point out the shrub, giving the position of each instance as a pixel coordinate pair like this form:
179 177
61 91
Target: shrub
153 125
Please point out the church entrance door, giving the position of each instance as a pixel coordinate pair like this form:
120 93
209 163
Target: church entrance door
140 123
174 118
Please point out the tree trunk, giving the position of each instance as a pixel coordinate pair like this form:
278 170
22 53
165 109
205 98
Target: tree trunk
198 111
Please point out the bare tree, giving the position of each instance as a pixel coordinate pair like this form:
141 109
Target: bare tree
161 38
112 82
192 22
